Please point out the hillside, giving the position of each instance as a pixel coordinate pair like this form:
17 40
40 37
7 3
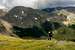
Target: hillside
25 17
25 21
11 43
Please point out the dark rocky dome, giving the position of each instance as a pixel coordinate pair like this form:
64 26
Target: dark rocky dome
25 17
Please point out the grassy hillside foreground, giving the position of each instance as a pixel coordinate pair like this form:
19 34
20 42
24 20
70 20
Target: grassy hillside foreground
11 43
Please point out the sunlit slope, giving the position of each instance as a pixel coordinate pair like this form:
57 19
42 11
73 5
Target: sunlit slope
11 43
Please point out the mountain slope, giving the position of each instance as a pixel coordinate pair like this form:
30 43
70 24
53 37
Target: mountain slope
25 17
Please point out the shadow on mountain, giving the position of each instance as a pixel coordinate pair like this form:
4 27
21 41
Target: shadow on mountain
36 32
28 32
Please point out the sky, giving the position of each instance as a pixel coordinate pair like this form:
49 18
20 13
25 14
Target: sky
36 4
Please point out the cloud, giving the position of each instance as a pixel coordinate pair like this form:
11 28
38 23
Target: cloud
26 3
37 3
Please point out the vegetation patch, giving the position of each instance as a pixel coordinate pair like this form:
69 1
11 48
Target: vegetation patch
11 43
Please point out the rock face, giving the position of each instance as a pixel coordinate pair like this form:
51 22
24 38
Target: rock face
2 13
25 17
6 28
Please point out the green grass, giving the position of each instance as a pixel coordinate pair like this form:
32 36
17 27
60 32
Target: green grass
11 43
64 33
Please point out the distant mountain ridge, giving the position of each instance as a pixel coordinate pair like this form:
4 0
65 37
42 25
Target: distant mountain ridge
71 9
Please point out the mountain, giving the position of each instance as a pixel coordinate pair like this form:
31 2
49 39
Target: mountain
71 9
26 17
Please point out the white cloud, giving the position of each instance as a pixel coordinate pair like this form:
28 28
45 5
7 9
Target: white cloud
37 3
26 3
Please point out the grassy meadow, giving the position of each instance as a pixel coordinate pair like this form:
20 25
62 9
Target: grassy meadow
11 43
